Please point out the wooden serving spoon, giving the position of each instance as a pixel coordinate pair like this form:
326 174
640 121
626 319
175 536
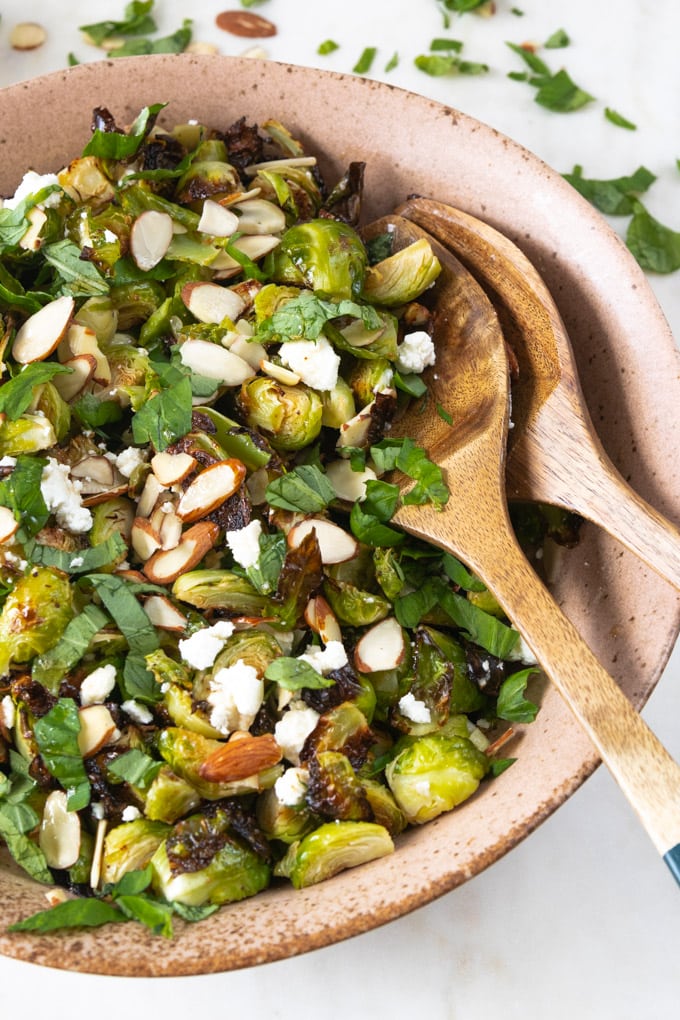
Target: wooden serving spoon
554 453
471 380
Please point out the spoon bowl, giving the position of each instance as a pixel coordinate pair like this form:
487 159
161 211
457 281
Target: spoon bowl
554 453
471 377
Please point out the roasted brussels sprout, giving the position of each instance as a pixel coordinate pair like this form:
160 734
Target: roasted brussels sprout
34 616
289 416
325 255
332 848
402 277
433 774
130 846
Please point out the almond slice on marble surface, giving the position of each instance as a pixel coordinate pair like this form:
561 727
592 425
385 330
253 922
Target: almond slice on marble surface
215 362
245 24
217 220
41 333
150 238
241 758
210 489
27 35
336 544
59 835
163 614
210 302
8 524
381 647
172 468
97 728
166 565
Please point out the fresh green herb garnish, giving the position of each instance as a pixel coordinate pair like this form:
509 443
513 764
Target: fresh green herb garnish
392 62
616 196
16 395
326 47
136 767
511 704
558 40
555 91
21 493
619 120
305 489
137 20
365 61
294 674
56 735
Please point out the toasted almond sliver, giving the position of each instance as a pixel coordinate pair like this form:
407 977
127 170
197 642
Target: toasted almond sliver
215 362
41 332
27 35
150 493
59 835
321 619
336 544
210 488
8 524
31 240
163 614
171 468
381 647
210 302
241 758
166 565
278 372
97 728
150 238
217 220
144 538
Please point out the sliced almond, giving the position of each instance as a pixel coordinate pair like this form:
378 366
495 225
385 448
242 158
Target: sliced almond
172 468
59 836
260 216
355 431
98 853
163 614
83 367
144 538
150 238
80 339
8 524
217 220
37 217
320 618
240 758
27 35
349 485
278 164
170 531
97 728
206 358
250 350
150 493
336 544
41 332
255 246
210 488
202 48
166 565
210 302
278 372
382 647
103 494
95 469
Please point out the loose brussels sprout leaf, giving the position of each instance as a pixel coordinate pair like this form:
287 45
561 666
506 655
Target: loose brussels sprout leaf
332 848
433 774
130 846
403 276
353 606
283 822
170 797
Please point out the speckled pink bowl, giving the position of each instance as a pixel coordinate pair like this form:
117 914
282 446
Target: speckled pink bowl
629 369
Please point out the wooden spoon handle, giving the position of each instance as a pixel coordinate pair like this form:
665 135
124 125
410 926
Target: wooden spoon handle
643 768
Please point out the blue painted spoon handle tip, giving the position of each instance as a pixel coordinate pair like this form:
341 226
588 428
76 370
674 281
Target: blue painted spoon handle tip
672 859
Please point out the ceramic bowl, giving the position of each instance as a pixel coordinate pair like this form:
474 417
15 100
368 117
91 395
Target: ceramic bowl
629 369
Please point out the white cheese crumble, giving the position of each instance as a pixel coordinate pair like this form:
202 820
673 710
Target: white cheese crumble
244 544
131 813
7 712
8 462
97 685
291 787
130 459
202 648
30 184
414 709
314 361
292 730
416 352
97 809
62 497
236 694
76 562
522 653
325 660
138 712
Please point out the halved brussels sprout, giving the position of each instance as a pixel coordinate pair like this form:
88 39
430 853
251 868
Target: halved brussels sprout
290 416
130 846
353 606
325 255
220 589
402 277
34 616
169 797
332 848
28 434
433 774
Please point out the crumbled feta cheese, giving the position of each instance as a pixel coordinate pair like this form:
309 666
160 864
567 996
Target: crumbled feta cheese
202 648
110 236
291 787
8 462
97 809
245 544
30 184
325 660
76 562
130 459
7 712
314 361
130 813
292 730
416 352
97 685
415 710
140 713
522 653
62 497
236 695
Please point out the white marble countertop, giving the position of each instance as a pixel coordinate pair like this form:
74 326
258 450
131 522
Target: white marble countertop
581 919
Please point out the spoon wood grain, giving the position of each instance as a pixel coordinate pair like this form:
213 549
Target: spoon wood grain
554 453
470 380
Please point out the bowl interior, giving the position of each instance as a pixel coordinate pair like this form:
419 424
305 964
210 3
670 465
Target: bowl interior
628 615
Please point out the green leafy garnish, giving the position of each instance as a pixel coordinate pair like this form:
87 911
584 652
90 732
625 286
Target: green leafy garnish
85 561
327 46
511 704
437 65
56 735
16 394
75 275
135 767
84 912
123 144
557 92
616 196
52 665
14 828
177 42
558 40
655 246
136 20
305 489
294 674
619 120
306 315
392 62
166 416
21 493
365 61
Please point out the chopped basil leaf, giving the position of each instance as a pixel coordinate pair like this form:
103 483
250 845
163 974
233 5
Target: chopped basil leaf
446 44
138 682
511 704
531 59
485 630
294 674
191 913
392 62
405 456
85 561
558 40
137 21
328 46
560 94
371 531
264 575
306 315
140 634
56 735
305 489
381 499
21 493
13 222
365 61
78 277
499 765
86 912
94 413
166 416
444 414
135 767
152 913
175 43
52 665
613 197
460 575
619 120
17 393
123 145
410 383
23 850
655 246
438 66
